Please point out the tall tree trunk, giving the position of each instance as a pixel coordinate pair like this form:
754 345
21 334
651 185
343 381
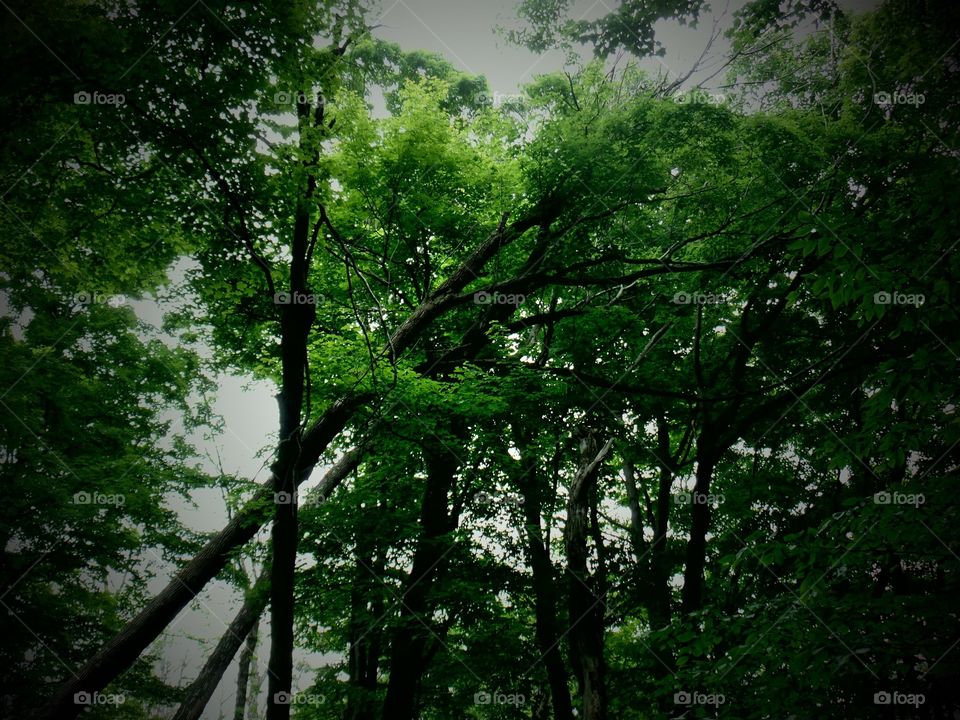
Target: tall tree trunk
366 609
409 641
655 584
284 542
654 588
202 689
243 672
586 608
692 596
296 319
661 609
544 590
642 552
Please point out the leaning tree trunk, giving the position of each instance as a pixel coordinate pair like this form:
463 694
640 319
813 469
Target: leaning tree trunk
243 625
586 609
247 659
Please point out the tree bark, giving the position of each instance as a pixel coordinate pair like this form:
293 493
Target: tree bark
366 610
295 322
692 596
655 587
409 641
587 610
644 582
544 592
662 610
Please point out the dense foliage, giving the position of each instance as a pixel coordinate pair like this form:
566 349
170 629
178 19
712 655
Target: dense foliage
614 401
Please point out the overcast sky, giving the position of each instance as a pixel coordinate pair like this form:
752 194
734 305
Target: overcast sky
463 32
